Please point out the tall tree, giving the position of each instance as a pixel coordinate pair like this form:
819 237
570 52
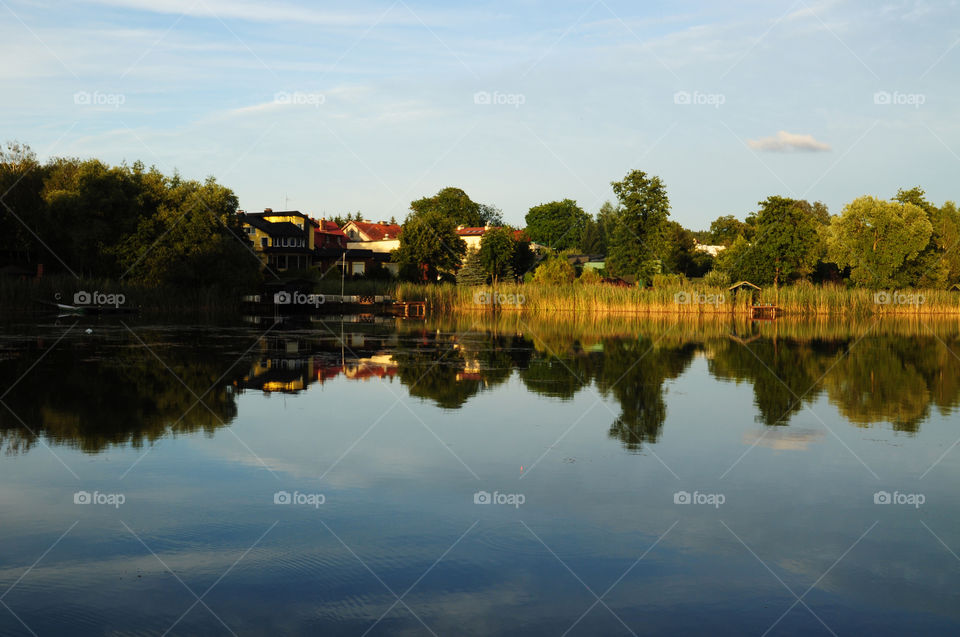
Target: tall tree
557 224
875 237
496 253
786 241
638 238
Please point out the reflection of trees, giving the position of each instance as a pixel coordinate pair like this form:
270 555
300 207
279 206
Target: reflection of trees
781 371
887 380
449 369
633 372
80 396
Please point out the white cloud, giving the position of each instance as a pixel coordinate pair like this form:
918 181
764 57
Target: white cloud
788 142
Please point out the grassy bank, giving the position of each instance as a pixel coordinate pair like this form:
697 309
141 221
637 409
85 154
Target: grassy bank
691 299
34 296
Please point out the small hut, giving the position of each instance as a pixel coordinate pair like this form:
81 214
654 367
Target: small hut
756 309
745 287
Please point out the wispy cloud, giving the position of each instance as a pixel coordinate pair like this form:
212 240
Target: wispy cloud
257 12
788 142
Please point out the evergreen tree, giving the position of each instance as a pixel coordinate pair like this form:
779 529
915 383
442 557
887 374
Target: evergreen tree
472 272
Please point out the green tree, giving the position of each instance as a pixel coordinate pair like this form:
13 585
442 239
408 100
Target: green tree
928 269
22 211
429 245
592 240
874 238
496 253
724 230
193 240
523 256
681 255
455 205
787 242
638 239
558 224
472 272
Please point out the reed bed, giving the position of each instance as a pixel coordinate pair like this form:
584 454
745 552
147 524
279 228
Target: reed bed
690 299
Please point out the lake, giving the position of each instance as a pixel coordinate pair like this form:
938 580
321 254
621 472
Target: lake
479 476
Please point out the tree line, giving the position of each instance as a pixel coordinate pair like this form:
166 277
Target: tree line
91 220
138 224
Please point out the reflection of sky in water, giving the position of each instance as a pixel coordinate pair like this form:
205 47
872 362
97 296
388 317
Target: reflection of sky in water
798 496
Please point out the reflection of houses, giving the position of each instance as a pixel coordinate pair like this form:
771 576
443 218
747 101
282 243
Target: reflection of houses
284 240
291 365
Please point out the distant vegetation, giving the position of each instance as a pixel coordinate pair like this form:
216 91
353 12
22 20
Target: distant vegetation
135 227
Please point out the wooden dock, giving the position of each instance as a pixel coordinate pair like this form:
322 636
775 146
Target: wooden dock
765 311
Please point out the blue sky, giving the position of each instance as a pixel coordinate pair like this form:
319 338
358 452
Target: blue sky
368 105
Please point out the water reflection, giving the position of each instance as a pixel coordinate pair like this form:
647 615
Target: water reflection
123 387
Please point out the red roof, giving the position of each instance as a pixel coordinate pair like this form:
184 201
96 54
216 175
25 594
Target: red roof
472 232
330 227
378 231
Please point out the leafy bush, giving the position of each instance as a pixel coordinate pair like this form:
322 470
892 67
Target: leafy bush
716 279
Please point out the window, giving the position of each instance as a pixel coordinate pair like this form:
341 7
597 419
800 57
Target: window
250 229
264 242
358 267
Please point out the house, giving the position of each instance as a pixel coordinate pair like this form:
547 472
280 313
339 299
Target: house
284 240
380 239
711 250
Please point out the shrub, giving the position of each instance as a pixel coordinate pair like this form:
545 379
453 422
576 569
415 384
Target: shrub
555 271
716 279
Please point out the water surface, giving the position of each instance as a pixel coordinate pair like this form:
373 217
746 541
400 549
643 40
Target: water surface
479 477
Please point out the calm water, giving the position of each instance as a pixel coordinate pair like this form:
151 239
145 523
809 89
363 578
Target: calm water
350 478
